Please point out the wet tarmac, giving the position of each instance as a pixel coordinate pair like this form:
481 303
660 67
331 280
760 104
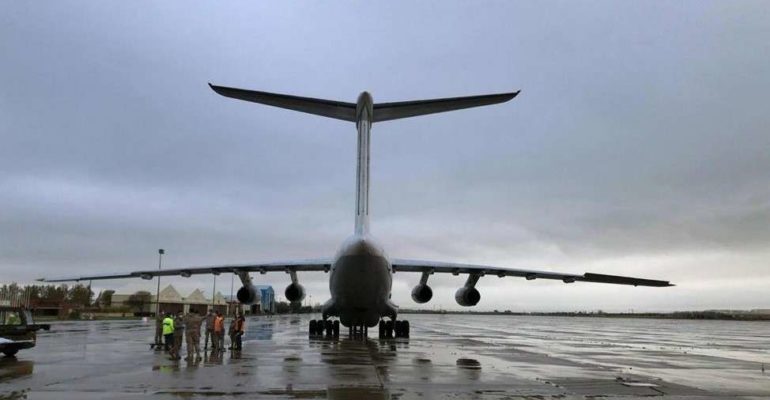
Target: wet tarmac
447 356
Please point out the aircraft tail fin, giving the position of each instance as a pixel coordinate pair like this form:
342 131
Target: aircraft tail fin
325 108
406 109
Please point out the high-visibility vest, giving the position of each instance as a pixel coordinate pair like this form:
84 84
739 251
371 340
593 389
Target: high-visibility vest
168 326
219 325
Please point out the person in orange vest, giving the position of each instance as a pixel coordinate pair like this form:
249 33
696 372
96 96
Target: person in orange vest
219 332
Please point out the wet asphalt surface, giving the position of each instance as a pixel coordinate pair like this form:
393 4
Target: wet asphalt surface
447 356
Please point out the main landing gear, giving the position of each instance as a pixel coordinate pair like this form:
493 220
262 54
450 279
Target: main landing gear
331 329
324 328
394 328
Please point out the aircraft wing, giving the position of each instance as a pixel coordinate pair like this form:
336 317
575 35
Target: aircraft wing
459 268
325 108
405 109
284 266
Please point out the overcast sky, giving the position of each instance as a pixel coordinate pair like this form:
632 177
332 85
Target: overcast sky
639 145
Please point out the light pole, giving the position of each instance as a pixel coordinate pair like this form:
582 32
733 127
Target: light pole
230 300
157 293
214 293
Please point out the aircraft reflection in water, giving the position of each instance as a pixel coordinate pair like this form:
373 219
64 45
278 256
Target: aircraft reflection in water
361 273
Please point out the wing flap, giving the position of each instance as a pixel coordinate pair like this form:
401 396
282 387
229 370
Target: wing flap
405 109
325 108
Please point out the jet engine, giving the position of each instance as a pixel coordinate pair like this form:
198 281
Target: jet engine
294 292
467 296
247 294
422 293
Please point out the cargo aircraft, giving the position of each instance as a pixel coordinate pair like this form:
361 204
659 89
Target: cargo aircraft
361 273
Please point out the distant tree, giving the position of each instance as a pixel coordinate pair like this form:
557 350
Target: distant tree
105 298
54 294
80 295
137 300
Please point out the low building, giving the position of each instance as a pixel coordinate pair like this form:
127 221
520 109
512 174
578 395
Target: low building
263 304
171 301
266 303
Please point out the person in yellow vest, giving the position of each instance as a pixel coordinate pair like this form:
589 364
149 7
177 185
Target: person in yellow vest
168 331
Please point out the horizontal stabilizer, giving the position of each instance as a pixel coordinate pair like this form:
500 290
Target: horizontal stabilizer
325 108
405 109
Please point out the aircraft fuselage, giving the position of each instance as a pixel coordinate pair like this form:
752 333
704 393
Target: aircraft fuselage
360 278
360 282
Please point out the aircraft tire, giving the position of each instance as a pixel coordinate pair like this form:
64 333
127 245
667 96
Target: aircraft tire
397 328
382 329
329 328
336 328
405 329
313 327
10 353
389 329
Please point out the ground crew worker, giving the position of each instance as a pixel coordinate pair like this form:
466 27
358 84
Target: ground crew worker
178 336
219 332
168 331
209 330
231 333
240 330
193 335
158 330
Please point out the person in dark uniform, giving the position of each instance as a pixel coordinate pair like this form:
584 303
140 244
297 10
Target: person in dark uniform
193 335
240 330
231 333
178 336
210 317
159 330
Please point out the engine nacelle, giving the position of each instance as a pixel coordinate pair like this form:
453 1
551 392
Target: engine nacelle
467 297
422 293
294 292
247 294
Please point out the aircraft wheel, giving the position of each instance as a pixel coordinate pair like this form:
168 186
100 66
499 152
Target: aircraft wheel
329 328
336 328
389 329
10 353
381 326
313 327
405 329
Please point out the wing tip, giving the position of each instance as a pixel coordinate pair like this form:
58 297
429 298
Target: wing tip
215 88
509 96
